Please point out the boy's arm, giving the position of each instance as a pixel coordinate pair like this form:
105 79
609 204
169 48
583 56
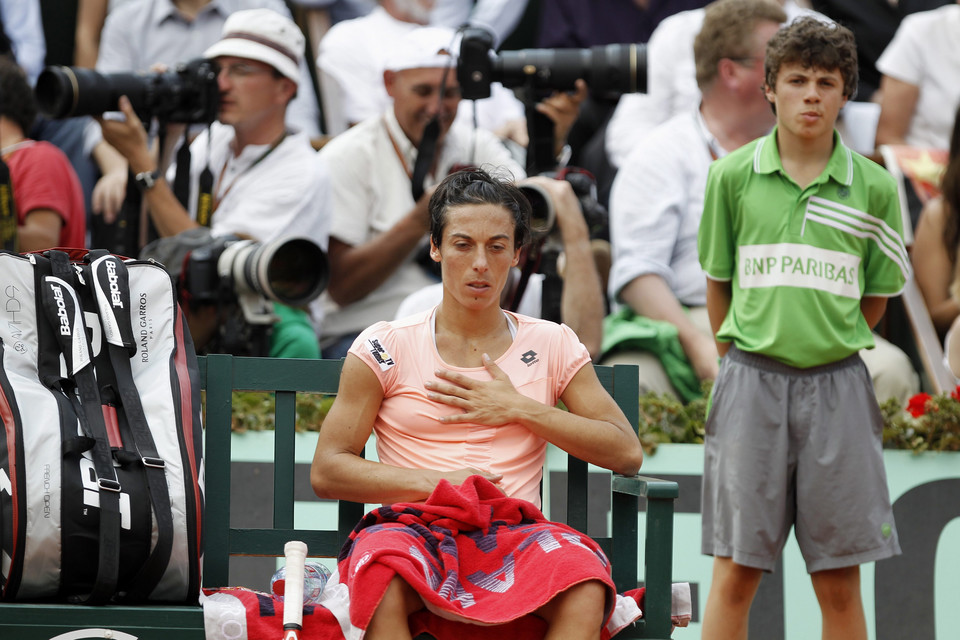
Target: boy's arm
719 294
872 308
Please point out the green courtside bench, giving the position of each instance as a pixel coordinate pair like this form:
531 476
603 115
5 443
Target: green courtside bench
222 374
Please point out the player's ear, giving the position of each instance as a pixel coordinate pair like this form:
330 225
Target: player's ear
434 251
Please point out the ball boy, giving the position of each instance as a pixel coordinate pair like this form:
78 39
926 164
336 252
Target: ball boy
801 243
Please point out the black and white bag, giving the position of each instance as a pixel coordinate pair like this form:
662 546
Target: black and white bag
101 469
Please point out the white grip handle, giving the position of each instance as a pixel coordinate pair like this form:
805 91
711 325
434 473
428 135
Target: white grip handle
295 553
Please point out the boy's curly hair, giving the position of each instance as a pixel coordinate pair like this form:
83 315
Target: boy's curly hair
814 44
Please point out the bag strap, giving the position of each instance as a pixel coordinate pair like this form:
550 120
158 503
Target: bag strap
64 313
111 286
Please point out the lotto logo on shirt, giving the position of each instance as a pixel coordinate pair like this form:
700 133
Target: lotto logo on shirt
799 265
380 354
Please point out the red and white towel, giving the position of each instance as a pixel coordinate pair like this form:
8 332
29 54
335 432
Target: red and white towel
476 558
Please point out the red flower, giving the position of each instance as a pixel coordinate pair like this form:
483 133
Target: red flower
918 404
955 394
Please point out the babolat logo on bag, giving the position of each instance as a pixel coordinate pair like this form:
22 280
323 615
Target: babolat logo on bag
61 308
101 467
114 284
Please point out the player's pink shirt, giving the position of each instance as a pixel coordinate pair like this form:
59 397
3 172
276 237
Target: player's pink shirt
542 360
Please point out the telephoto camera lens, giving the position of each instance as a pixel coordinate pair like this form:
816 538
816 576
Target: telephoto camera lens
188 93
608 70
292 271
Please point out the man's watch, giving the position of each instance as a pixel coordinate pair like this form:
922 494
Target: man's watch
146 179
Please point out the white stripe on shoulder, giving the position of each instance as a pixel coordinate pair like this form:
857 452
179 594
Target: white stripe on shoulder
756 154
886 235
849 167
889 243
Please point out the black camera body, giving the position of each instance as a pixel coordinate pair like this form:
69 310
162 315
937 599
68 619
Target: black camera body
187 94
543 217
609 70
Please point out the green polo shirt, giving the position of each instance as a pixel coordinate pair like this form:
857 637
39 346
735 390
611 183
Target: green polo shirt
800 260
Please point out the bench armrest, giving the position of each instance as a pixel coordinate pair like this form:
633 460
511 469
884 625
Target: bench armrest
658 544
645 487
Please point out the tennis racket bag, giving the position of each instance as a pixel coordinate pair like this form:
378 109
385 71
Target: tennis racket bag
101 471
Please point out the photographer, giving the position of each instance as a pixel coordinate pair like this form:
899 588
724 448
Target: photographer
377 223
582 301
383 170
266 181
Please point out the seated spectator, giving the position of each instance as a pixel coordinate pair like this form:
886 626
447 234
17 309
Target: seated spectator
268 180
465 394
935 242
378 223
47 197
582 299
354 53
920 86
140 35
657 201
23 34
671 80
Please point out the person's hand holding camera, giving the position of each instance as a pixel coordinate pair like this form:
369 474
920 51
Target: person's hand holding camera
563 107
129 137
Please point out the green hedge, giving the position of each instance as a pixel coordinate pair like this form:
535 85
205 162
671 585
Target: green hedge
928 423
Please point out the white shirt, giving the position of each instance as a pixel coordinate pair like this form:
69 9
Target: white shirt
925 52
351 60
285 193
655 207
371 192
671 80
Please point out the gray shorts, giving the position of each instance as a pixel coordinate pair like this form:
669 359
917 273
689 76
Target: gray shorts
795 447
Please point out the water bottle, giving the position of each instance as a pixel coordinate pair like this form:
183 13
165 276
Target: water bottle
315 577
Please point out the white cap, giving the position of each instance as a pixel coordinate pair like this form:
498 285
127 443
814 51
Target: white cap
263 35
424 48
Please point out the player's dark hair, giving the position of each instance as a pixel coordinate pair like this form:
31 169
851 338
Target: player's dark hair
476 186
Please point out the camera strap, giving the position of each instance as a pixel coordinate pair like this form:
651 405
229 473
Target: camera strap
426 151
219 197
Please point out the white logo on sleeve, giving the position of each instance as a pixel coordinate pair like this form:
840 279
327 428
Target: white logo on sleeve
799 265
380 354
